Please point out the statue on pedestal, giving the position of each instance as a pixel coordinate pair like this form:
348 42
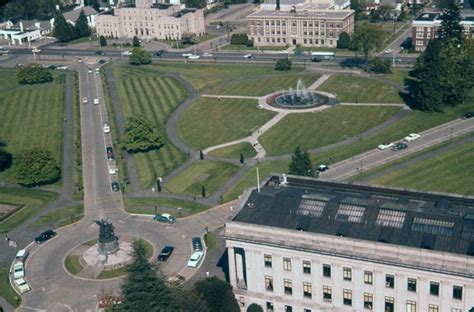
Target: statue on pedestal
108 242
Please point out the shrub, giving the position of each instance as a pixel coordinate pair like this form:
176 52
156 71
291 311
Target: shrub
239 39
283 64
34 73
344 41
36 167
380 66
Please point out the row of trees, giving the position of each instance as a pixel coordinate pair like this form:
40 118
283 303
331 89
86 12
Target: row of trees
29 9
65 32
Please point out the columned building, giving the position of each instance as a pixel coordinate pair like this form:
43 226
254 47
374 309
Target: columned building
301 244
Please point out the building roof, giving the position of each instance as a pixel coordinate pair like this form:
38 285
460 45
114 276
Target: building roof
74 14
31 24
400 217
427 17
304 11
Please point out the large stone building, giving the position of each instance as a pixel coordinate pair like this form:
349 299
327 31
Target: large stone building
301 244
148 20
309 24
426 25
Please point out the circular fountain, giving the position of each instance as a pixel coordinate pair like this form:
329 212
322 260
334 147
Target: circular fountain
299 98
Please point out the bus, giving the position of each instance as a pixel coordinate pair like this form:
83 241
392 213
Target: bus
322 56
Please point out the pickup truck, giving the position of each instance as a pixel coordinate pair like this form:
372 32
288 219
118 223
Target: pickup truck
165 217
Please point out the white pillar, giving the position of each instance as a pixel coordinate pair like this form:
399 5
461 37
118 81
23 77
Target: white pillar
232 268
239 268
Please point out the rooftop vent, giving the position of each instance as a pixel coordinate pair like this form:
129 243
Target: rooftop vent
283 179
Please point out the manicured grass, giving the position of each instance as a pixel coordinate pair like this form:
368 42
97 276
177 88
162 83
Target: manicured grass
144 205
449 172
398 75
60 217
34 201
6 290
206 37
72 264
313 130
209 174
210 121
155 98
211 241
353 89
250 179
234 151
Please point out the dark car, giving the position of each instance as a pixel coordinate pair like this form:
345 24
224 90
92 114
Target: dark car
52 66
165 253
46 235
102 62
399 146
299 52
197 244
115 186
99 52
110 153
159 53
468 115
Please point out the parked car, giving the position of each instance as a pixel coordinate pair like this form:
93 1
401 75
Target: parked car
22 286
85 100
62 67
21 255
79 60
18 270
322 168
165 217
90 71
194 57
412 137
99 52
159 53
165 253
36 50
115 186
388 51
46 235
126 53
97 71
468 115
110 153
385 145
106 128
249 56
112 170
195 259
399 146
101 62
96 101
197 244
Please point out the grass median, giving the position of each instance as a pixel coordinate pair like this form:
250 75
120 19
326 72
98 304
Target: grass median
177 207
6 290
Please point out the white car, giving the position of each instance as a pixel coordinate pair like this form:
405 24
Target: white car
18 270
97 71
248 56
384 146
187 54
112 170
283 52
195 259
36 50
194 57
106 128
79 60
207 55
90 71
85 100
96 101
62 67
388 51
126 53
22 286
412 137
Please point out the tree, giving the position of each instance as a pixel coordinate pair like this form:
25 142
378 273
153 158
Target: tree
217 294
63 31
201 155
140 135
451 28
344 41
366 38
34 73
203 191
386 11
36 167
381 66
358 6
143 287
300 164
5 159
135 42
242 159
139 56
189 39
254 308
102 41
198 4
82 26
94 3
239 39
283 64
186 300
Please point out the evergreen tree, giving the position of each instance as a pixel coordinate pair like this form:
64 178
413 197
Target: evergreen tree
242 159
201 155
184 300
140 135
203 191
283 64
102 41
135 42
139 57
144 289
5 159
300 164
218 295
344 40
254 308
82 27
451 29
63 31
36 167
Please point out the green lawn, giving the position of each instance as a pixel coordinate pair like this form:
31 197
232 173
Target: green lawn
6 290
234 151
211 241
397 75
34 201
449 172
31 116
210 121
155 98
146 205
60 217
72 264
331 125
209 174
353 89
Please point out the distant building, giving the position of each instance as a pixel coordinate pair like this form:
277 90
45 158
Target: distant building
26 31
148 20
426 25
91 14
305 24
302 244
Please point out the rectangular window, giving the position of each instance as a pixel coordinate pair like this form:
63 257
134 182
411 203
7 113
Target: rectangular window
288 308
389 304
288 285
270 307
457 292
307 290
326 270
306 267
368 277
411 306
327 293
287 264
347 297
268 283
434 289
433 308
411 284
307 310
347 274
368 301
389 281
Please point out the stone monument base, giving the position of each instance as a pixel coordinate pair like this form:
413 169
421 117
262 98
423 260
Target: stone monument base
109 247
121 257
